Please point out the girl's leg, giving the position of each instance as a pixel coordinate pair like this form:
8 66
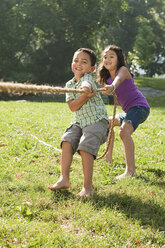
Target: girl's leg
66 160
108 156
87 163
129 151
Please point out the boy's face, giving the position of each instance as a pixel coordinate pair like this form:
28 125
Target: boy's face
81 64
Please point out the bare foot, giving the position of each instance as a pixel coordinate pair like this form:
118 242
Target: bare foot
61 184
126 175
108 158
86 192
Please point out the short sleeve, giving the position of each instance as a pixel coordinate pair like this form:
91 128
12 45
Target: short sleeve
69 96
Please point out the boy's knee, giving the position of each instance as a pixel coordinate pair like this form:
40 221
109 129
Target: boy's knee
66 145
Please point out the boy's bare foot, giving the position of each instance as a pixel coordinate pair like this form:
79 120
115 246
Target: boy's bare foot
61 184
126 175
86 192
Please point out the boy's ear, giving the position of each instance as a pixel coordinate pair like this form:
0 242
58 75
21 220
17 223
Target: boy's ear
92 68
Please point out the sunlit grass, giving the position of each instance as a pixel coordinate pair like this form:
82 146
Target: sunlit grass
128 213
155 83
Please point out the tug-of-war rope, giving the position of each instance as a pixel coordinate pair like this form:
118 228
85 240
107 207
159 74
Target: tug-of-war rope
18 88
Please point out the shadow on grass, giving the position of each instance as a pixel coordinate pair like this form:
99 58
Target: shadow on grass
156 183
157 172
33 98
148 213
62 195
157 101
159 176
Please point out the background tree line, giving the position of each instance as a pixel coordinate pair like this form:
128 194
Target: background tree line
38 37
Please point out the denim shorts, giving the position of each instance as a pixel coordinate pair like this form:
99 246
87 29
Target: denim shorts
88 138
135 116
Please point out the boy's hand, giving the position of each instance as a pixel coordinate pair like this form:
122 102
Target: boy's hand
88 91
109 89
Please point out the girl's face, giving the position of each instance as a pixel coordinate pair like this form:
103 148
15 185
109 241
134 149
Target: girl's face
81 64
110 60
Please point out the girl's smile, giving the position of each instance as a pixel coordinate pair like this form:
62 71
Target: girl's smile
110 60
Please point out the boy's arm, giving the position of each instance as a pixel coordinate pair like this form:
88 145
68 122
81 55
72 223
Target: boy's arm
76 104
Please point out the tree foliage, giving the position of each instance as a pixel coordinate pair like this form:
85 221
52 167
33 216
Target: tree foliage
149 46
39 37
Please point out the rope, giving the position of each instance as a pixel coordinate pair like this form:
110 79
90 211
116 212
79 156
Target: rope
18 88
111 129
44 143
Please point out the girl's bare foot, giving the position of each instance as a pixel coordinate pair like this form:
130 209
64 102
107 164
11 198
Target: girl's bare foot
61 184
86 192
126 175
108 158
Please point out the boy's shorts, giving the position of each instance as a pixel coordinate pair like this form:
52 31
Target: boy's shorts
87 139
135 116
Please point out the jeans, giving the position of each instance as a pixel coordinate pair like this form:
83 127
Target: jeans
135 116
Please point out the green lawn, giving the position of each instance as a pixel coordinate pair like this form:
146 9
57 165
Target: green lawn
126 213
155 83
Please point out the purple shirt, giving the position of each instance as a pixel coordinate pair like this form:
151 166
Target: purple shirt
128 95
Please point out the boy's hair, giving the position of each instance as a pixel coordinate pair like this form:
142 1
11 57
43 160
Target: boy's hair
90 52
102 71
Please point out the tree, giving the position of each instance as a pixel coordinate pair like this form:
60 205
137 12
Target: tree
71 25
139 31
45 35
39 37
123 30
149 45
10 43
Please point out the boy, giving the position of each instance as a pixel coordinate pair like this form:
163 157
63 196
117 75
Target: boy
90 126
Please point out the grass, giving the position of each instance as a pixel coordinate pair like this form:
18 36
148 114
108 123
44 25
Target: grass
127 213
155 83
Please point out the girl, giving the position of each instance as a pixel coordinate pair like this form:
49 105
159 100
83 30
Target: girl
115 76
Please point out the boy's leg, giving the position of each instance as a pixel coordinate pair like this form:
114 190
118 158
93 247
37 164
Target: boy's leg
87 163
66 160
92 137
108 156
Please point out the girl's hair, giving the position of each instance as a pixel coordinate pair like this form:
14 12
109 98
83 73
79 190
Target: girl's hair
91 54
103 73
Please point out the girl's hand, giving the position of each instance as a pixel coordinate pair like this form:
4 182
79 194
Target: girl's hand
109 89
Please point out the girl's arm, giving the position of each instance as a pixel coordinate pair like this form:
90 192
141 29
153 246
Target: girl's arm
76 104
122 75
